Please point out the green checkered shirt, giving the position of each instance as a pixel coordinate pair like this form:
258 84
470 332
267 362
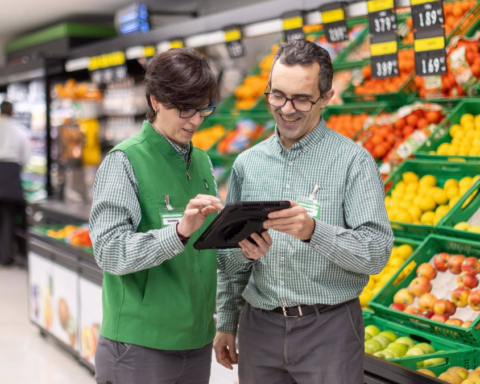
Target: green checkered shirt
352 239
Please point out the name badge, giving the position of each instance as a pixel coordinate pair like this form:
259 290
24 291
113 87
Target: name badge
312 209
170 218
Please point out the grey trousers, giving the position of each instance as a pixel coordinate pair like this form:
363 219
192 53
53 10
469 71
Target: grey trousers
326 347
117 363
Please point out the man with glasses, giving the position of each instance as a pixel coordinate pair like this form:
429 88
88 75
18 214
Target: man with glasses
154 194
302 322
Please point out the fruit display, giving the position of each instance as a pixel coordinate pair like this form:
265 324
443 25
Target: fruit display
74 235
347 124
239 139
341 81
464 226
206 138
455 375
424 201
454 12
376 282
76 91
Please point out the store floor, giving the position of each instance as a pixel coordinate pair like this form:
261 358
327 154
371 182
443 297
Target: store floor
26 357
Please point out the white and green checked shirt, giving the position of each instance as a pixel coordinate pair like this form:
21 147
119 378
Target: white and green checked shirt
115 217
352 238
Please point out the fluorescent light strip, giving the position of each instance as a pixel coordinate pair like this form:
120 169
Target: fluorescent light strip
163 46
263 28
77 64
135 52
211 38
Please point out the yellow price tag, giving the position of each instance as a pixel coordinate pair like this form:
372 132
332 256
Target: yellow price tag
418 2
430 44
293 23
380 49
379 5
107 60
176 44
149 51
233 34
333 15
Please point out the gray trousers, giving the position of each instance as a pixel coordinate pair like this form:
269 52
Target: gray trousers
326 347
117 363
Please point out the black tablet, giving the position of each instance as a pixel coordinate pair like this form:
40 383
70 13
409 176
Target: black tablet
236 222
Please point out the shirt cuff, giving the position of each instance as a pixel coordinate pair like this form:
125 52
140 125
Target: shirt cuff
169 241
241 258
323 238
227 322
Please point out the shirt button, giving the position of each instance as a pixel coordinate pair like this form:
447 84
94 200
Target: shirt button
284 304
282 259
281 283
317 246
288 186
176 251
283 234
290 163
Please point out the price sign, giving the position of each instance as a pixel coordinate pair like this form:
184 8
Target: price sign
293 26
430 53
381 16
177 43
333 18
108 68
233 37
427 14
384 53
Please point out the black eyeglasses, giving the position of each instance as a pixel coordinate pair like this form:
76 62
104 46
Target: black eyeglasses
204 112
278 101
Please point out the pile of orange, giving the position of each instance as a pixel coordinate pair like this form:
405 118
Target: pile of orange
346 123
455 12
408 40
406 66
205 138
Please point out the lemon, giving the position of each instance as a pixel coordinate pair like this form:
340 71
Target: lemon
454 201
410 178
476 178
396 262
474 152
463 226
365 298
409 268
425 191
453 150
409 197
466 182
477 122
397 195
404 217
469 199
474 228
428 180
452 192
427 204
415 213
468 127
440 196
405 205
404 251
463 191
392 215
418 201
455 129
442 210
400 186
412 188
427 218
463 151
466 118
437 219
450 183
377 289
370 285
388 199
443 149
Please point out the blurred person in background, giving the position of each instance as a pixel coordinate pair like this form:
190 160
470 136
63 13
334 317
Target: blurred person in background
14 153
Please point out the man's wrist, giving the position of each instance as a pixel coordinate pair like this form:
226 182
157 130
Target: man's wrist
183 239
308 239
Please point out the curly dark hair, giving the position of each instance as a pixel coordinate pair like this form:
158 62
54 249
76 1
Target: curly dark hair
179 78
304 52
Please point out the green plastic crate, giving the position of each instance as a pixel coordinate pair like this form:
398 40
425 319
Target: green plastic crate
42 230
455 354
429 248
441 134
442 170
462 212
467 23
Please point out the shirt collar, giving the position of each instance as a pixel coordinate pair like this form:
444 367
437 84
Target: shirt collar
183 151
309 141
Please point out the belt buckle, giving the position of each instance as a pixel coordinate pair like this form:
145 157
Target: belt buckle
285 314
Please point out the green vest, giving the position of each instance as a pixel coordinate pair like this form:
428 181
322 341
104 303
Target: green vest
169 306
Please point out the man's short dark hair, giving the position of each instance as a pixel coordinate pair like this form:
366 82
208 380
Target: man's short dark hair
6 108
303 52
179 78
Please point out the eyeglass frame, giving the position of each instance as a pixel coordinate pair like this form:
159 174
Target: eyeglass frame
211 105
292 100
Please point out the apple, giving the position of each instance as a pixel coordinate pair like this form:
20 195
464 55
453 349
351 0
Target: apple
373 345
440 318
389 334
451 378
456 322
398 349
467 324
433 362
426 372
471 265
426 314
407 341
467 279
455 263
444 307
372 330
474 376
460 297
474 300
412 311
425 347
441 261
460 371
415 352
420 286
383 340
398 307
427 302
426 270
404 296
367 336
384 354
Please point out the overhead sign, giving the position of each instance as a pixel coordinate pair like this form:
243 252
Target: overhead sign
381 16
234 42
333 18
108 68
132 19
293 26
384 56
430 53
427 14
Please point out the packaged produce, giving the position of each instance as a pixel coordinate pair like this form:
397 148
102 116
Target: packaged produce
244 134
206 138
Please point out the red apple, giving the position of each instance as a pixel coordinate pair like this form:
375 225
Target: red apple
412 311
460 297
471 265
467 324
426 270
474 300
426 314
441 261
455 264
419 286
404 296
454 322
398 307
439 318
444 307
467 280
427 301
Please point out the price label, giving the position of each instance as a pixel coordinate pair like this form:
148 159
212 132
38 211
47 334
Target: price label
149 51
107 60
109 75
384 56
427 14
430 53
335 26
381 16
233 37
178 43
293 26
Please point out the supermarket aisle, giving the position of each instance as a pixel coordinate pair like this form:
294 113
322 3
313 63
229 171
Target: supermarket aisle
25 357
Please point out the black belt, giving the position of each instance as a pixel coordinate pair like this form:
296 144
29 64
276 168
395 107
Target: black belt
301 310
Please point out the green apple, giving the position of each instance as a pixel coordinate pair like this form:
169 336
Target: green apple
372 330
383 340
398 349
367 336
425 347
374 345
415 352
432 362
406 340
384 355
392 336
369 351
